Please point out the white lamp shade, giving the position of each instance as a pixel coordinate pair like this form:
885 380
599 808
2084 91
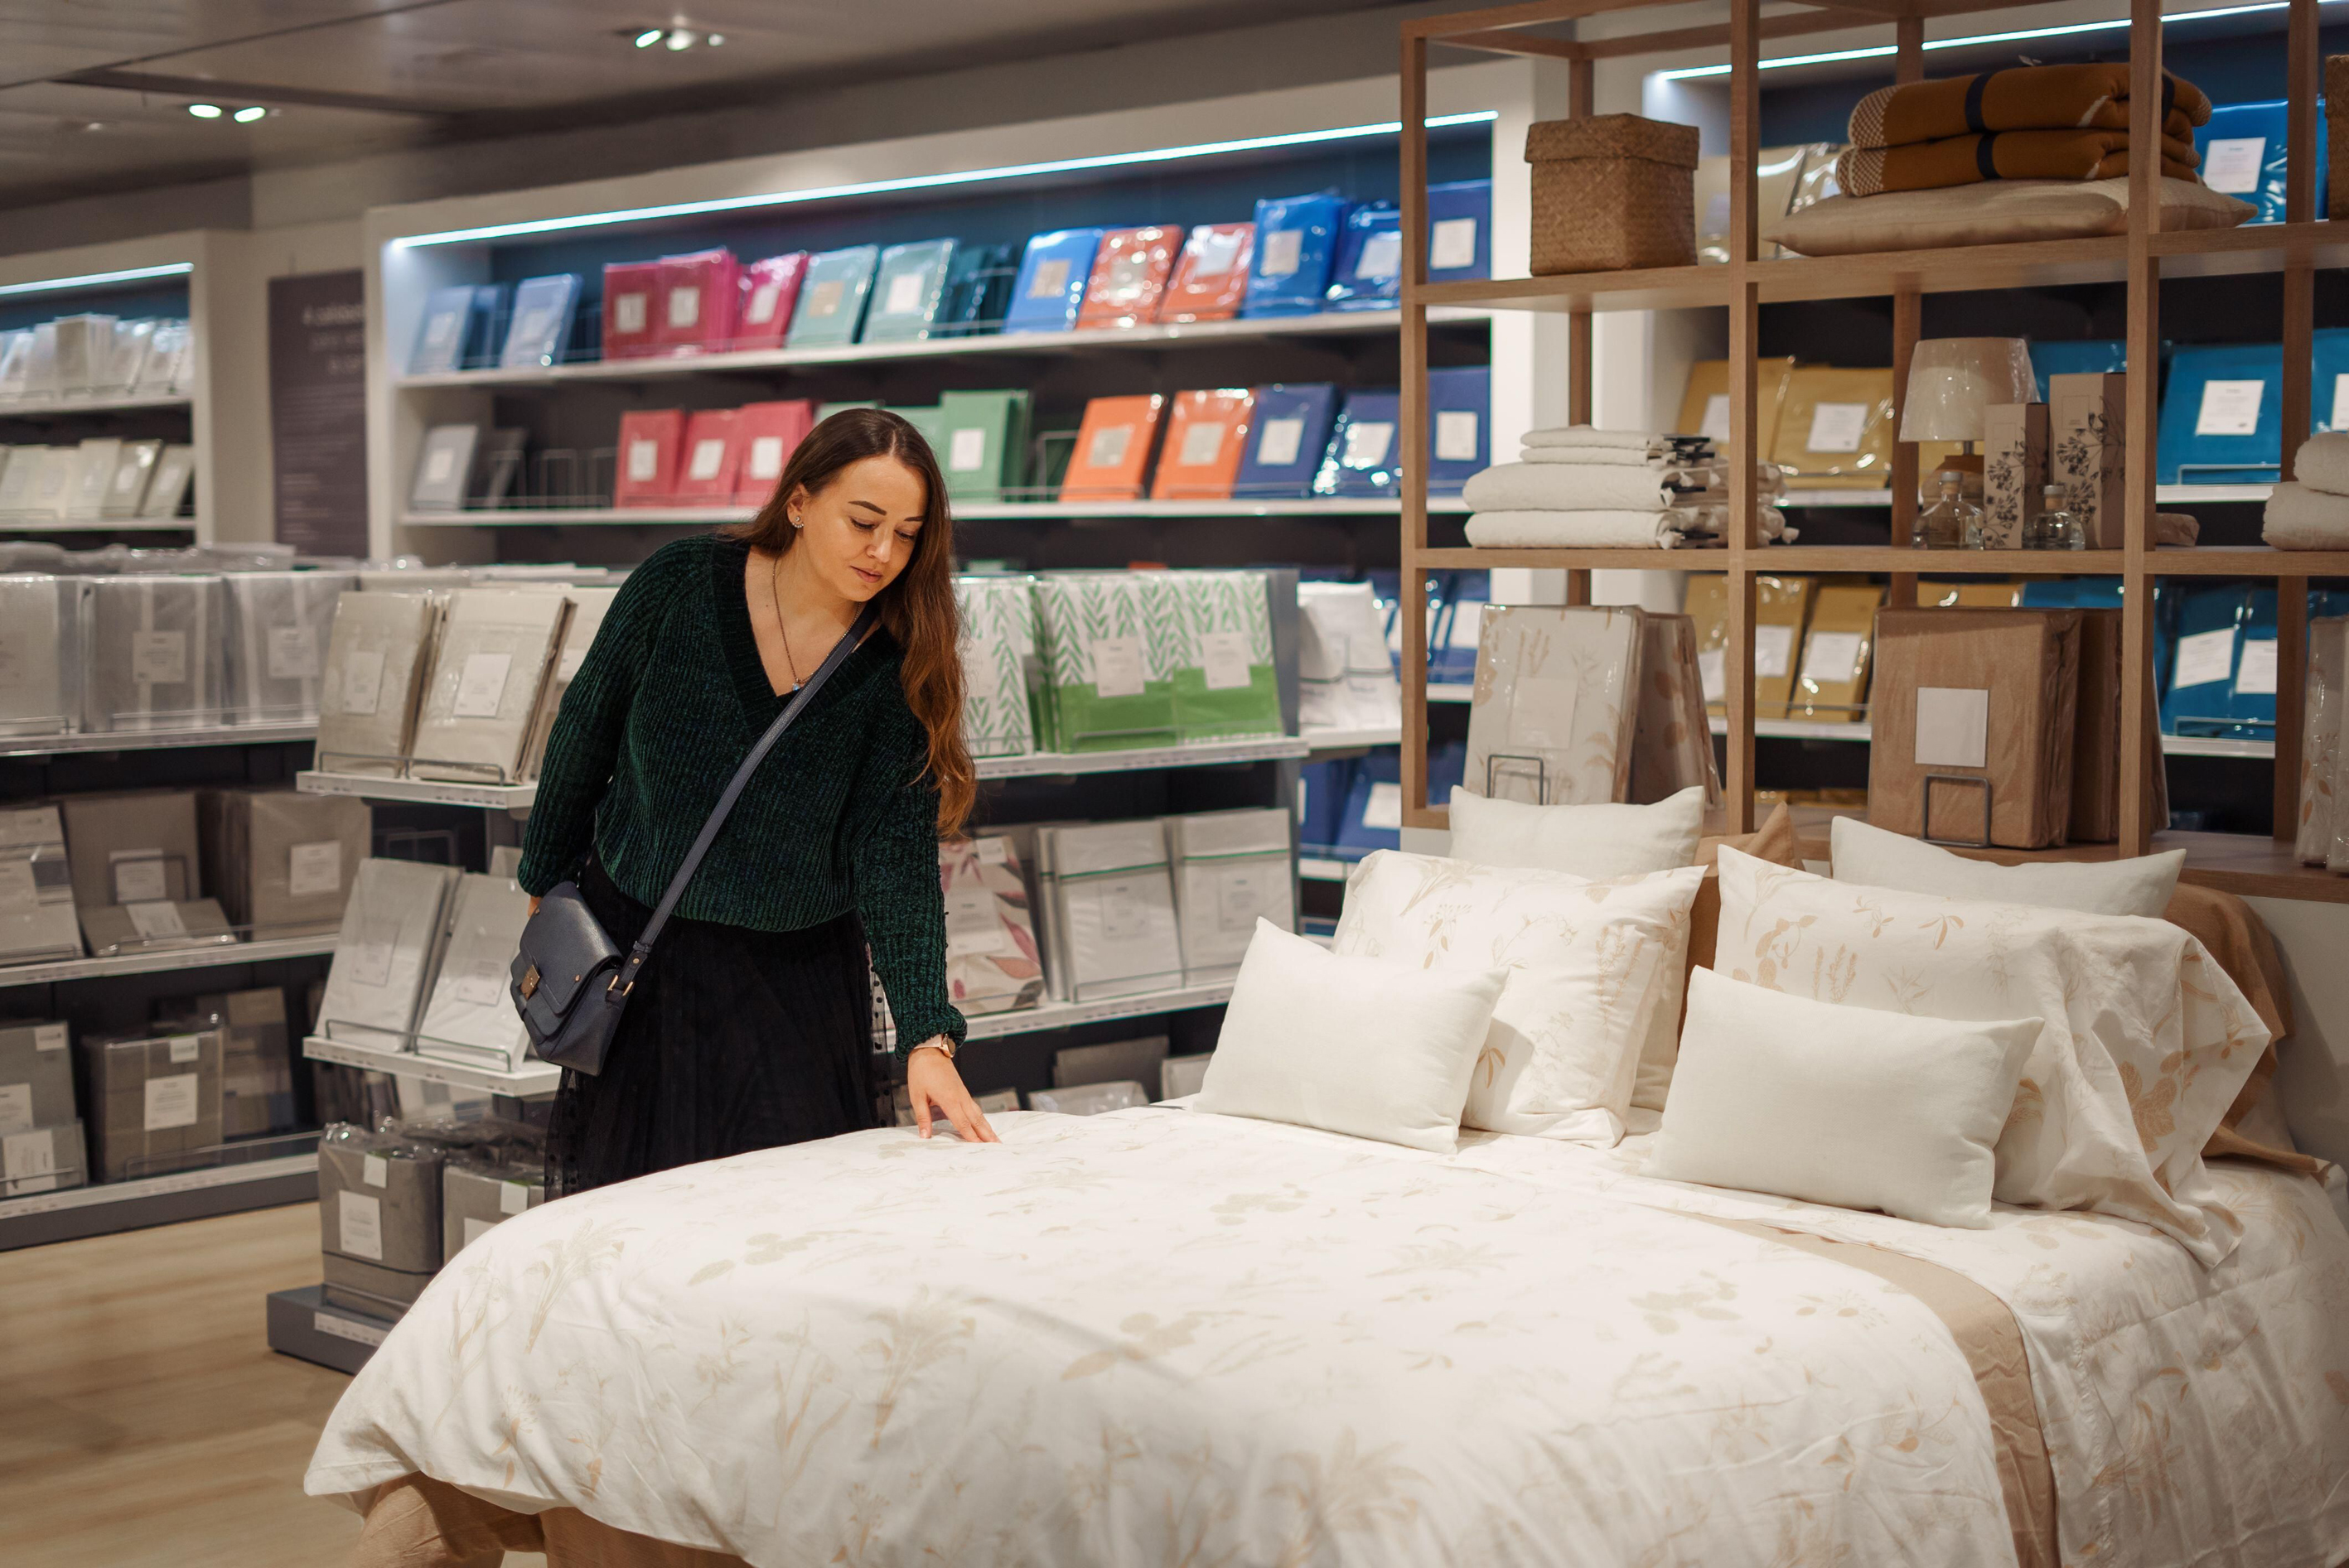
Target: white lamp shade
1952 379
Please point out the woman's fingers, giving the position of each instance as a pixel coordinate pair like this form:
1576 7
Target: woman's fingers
976 1128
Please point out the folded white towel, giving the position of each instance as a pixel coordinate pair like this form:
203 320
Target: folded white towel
2323 463
1657 530
1588 435
1604 457
1567 486
2300 518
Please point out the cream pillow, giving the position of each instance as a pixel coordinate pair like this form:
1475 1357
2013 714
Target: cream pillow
1349 1044
1591 964
2145 1044
2140 886
1596 842
1993 211
1848 1106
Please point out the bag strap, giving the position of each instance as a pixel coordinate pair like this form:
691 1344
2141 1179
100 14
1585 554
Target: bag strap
623 981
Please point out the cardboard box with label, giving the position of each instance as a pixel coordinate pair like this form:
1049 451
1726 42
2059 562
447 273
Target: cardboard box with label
152 1102
1974 720
1836 428
37 894
476 1196
378 1218
282 863
2087 414
1831 680
256 1061
37 1077
2014 470
132 848
1231 870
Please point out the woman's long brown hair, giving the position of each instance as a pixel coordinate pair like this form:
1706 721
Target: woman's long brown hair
918 608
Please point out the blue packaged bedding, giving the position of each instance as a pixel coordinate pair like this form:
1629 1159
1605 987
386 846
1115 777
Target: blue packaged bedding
1460 231
1368 275
544 310
1290 430
1364 457
2245 152
1296 247
1459 410
1051 282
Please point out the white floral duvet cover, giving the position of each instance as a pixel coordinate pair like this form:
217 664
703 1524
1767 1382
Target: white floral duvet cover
1158 1337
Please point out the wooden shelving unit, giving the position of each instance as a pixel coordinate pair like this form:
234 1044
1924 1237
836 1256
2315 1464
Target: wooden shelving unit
2139 259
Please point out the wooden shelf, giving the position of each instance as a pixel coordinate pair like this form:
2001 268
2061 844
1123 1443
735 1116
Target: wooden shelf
2256 560
1380 506
2239 863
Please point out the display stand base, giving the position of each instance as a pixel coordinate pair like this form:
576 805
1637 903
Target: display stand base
301 1324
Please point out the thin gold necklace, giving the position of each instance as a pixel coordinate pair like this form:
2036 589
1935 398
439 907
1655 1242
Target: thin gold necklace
775 594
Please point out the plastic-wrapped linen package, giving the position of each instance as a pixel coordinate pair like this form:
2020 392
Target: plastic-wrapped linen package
468 1015
389 944
1131 268
497 650
1231 869
40 654
1551 719
151 652
1346 677
279 624
1671 745
1112 923
2321 779
1108 641
36 895
1088 1099
993 965
588 608
381 644
1296 244
1226 684
999 663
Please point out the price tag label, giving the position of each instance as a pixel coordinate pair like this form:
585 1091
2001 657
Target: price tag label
1456 436
708 457
628 312
1277 446
374 1171
154 921
359 1225
643 460
439 464
139 876
171 1102
2255 672
15 1108
362 682
1283 248
1831 657
2203 658
1117 666
2229 409
974 926
1712 674
967 449
766 457
1201 442
904 296
1953 726
1367 443
1223 658
2232 163
314 870
292 653
482 685
1383 809
1450 243
1381 257
1541 713
1052 279
1125 915
1835 427
1243 893
685 306
159 658
185 1049
1109 446
1214 253
1773 651
762 304
28 1155
513 1197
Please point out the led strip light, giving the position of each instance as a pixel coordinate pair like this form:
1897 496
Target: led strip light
96 280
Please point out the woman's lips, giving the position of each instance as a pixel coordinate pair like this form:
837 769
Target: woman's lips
868 576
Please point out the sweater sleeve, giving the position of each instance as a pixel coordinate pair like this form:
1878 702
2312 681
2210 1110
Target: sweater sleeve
583 747
898 897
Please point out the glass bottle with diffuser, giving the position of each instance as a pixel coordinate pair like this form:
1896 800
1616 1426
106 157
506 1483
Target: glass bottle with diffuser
1953 522
2054 526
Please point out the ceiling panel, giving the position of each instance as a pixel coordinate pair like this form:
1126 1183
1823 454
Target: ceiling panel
45 38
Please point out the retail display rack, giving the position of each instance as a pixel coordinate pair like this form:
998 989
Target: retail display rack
2139 259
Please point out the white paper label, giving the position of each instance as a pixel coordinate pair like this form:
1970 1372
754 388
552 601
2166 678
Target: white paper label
1541 713
185 1049
978 678
514 1197
762 304
904 295
1773 651
1384 806
481 685
2203 658
1224 657
2232 164
1451 242
2229 409
361 1226
374 1171
1381 257
370 956
967 449
1712 673
156 920
1276 446
2255 675
441 331
15 1108
2339 420
973 926
1283 248
1124 915
1835 427
312 870
27 1156
826 298
708 457
139 876
566 668
1052 279
766 457
1367 443
628 312
292 653
337 1328
439 464
1831 656
481 983
159 658
1243 893
685 306
1212 255
19 893
362 681
171 1102
476 1229
1201 442
126 477
1109 446
643 460
1456 436
532 330
49 1037
1953 726
1117 666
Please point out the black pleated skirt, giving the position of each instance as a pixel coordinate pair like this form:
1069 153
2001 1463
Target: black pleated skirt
732 1041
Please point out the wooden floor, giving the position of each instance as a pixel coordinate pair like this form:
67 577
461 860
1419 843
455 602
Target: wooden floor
144 1419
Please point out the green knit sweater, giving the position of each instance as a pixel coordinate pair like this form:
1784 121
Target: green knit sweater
670 699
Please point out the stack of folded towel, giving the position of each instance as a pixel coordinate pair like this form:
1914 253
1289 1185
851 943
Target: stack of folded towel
1608 488
2311 511
2032 122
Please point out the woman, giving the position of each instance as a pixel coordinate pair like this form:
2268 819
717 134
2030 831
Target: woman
750 1024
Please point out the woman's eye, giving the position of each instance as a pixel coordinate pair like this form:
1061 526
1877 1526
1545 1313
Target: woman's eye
909 538
862 527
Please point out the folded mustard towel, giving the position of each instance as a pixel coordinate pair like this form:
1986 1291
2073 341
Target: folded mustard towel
2027 98
2001 155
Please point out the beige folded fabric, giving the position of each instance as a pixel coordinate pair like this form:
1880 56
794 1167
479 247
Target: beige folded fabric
1596 457
2322 463
2023 97
1567 486
2299 517
2177 528
1994 212
1590 435
1657 529
2007 155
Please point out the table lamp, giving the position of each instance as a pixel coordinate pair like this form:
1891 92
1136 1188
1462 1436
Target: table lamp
1951 381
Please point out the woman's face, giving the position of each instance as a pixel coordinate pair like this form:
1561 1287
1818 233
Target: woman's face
858 531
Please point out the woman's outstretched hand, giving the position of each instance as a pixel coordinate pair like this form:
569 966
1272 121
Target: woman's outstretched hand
931 1080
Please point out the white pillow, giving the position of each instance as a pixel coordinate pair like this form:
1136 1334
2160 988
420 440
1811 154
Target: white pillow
1836 1105
2145 1044
1349 1044
2141 886
1591 966
1595 842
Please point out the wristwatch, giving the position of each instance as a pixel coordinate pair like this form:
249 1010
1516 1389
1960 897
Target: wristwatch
936 1043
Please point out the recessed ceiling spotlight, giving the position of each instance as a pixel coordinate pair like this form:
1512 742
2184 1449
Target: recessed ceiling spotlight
649 37
680 38
715 40
205 111
247 116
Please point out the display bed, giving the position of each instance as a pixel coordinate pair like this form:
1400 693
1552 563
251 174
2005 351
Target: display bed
1243 1339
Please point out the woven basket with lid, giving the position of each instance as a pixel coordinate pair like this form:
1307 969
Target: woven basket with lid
1612 192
